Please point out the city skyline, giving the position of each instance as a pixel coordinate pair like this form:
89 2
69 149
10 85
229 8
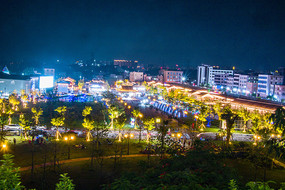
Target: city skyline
226 33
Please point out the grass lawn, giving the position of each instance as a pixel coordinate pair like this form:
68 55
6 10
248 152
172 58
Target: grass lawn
23 151
83 175
216 130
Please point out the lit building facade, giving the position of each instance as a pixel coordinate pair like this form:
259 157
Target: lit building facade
206 74
267 83
172 76
136 76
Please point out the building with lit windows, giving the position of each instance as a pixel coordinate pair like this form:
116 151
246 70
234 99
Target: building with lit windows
206 74
136 76
267 83
172 76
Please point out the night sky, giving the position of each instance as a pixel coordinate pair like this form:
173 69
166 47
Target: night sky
246 34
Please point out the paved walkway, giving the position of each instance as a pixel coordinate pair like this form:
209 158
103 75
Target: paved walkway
83 159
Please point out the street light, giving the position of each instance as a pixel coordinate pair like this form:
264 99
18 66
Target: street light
157 120
176 136
128 136
4 147
67 139
129 107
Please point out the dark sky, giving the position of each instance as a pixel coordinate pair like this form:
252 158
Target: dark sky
247 34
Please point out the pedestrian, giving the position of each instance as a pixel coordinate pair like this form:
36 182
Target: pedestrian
14 141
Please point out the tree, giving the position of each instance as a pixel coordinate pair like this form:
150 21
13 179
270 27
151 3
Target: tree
245 115
120 124
114 112
278 119
87 121
136 113
217 108
162 131
24 98
59 121
25 124
230 116
10 111
65 183
36 114
10 175
3 119
13 100
80 84
204 112
149 125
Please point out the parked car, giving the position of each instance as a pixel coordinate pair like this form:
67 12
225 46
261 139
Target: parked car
12 127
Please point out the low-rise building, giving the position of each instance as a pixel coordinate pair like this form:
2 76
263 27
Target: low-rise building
279 93
136 76
172 76
14 83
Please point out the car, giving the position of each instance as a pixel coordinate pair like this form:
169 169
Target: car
12 127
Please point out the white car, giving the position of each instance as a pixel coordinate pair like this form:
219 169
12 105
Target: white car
12 127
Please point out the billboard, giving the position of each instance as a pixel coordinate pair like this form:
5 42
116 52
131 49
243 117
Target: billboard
46 82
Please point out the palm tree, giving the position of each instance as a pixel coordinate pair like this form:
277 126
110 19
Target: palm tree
149 125
245 115
37 114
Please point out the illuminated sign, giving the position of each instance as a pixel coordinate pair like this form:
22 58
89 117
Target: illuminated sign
46 82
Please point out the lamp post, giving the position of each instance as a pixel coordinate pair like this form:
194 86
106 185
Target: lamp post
67 139
4 148
128 136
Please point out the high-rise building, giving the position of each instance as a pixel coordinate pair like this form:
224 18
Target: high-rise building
206 74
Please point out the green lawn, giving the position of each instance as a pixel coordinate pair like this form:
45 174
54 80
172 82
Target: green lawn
23 151
83 175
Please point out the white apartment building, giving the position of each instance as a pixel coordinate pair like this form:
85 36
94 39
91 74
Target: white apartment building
206 74
172 76
266 84
240 83
136 76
